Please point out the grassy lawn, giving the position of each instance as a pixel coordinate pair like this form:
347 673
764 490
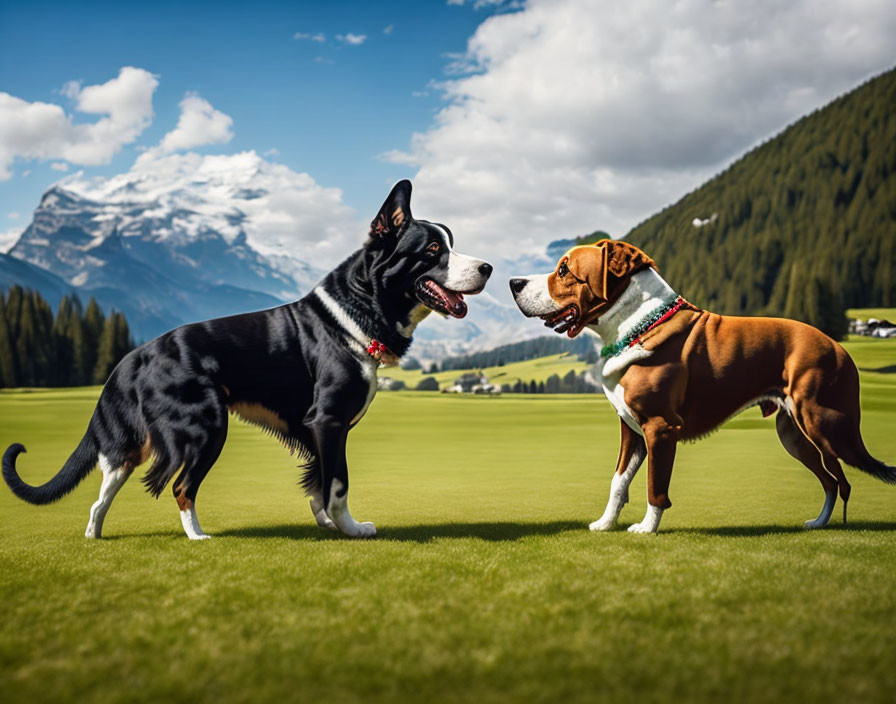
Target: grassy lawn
866 313
484 585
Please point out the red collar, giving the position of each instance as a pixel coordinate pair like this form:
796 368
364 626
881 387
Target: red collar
679 304
381 353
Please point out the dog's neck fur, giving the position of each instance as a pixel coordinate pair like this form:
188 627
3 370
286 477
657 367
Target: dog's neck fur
646 291
359 305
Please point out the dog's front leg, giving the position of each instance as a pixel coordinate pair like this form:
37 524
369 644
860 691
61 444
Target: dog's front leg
329 440
661 437
632 452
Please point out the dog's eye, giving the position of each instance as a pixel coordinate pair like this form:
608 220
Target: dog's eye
562 270
433 247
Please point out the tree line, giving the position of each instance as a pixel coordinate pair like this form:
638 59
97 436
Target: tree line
803 226
76 347
569 383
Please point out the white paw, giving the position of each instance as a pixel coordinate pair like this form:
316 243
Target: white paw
602 524
641 528
361 530
92 534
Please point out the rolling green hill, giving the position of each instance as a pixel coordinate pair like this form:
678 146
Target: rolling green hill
802 225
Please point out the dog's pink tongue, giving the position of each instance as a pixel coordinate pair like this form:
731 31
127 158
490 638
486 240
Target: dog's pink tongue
456 304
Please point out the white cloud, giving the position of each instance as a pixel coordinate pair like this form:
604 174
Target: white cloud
388 29
41 130
352 39
582 116
13 215
8 238
319 37
199 124
59 166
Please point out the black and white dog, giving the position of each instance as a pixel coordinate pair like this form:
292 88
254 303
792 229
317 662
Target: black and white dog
305 371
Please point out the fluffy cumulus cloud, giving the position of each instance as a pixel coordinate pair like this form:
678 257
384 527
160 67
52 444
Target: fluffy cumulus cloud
199 124
38 130
574 115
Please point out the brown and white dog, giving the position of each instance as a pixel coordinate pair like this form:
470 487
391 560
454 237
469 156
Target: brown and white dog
676 372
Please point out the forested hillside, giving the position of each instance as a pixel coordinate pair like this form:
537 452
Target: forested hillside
802 226
74 348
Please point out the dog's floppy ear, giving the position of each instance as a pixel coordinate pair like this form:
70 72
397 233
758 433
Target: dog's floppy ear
624 259
603 264
589 264
395 212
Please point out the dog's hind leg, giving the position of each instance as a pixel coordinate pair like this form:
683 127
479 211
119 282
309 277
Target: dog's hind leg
114 478
800 447
632 452
200 459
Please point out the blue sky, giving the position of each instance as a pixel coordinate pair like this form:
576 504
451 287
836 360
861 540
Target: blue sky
329 108
519 121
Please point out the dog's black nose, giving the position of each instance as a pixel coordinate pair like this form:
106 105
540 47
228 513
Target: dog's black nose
485 269
517 285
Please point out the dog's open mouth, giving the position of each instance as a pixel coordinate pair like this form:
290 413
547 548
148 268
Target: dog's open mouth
565 320
441 299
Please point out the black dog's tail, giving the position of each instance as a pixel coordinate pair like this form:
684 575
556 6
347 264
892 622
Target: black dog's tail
78 466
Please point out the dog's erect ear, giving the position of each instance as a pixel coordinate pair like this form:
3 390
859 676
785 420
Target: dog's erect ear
395 212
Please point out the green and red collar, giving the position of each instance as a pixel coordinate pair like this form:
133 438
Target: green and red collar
656 317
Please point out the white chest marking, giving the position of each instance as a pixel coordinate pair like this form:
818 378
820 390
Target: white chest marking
357 342
645 292
616 396
369 372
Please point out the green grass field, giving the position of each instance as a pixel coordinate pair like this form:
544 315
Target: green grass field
484 584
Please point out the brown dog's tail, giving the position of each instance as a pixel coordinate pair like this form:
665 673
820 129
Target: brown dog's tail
857 455
878 469
78 466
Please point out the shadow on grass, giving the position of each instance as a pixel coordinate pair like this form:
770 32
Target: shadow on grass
891 369
415 534
502 531
758 531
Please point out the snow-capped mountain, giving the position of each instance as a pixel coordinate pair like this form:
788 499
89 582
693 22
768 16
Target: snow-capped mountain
182 237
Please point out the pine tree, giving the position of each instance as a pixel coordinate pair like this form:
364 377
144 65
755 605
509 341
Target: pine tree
105 353
7 351
94 324
76 335
44 344
26 343
64 348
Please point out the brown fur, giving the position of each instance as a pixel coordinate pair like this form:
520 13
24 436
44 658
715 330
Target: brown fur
705 367
260 415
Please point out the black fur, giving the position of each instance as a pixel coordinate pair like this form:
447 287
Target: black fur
170 397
